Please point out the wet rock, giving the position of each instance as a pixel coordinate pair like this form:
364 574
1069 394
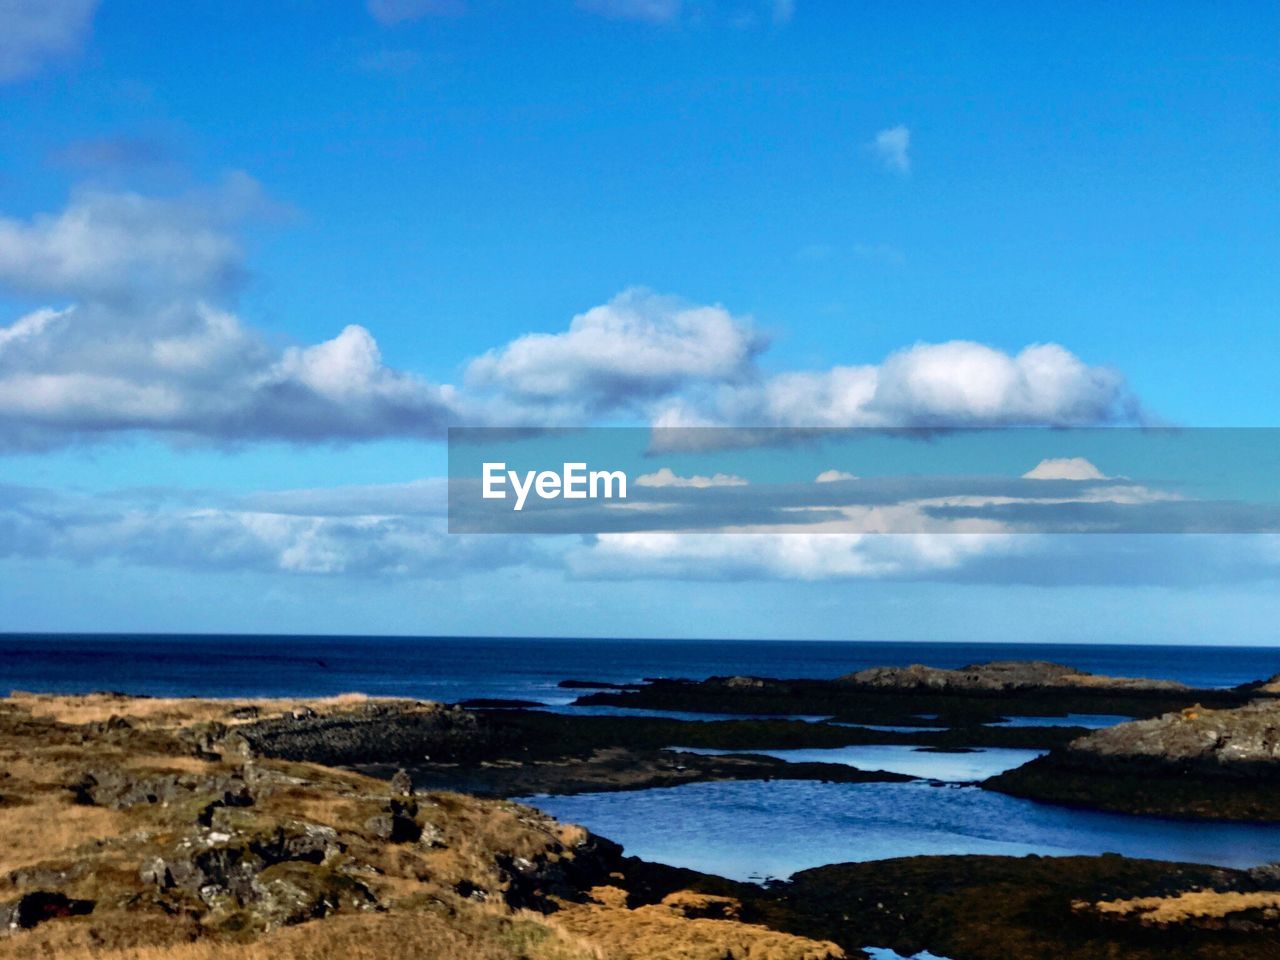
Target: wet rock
35 908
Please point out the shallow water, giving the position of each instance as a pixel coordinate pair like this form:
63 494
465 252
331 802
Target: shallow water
1092 721
889 727
759 829
904 759
602 710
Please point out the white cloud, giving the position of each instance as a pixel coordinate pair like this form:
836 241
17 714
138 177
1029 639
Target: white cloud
666 477
638 346
124 246
892 147
35 32
150 341
833 476
779 556
958 383
390 12
645 11
1065 468
359 532
146 347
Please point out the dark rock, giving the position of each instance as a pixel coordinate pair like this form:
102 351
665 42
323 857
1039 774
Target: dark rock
376 732
396 824
35 908
121 789
1206 764
998 675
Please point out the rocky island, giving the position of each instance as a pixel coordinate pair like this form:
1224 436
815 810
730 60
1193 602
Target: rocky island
1194 762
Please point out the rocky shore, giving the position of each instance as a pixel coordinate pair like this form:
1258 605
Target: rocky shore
926 696
140 829
1193 762
161 830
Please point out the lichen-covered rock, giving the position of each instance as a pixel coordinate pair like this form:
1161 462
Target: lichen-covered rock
120 788
1244 742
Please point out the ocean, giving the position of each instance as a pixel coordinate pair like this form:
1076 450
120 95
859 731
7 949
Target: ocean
457 668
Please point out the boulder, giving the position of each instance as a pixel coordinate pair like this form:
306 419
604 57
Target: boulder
37 907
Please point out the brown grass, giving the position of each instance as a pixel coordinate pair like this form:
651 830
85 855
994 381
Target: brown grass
477 935
663 932
1195 905
45 831
98 707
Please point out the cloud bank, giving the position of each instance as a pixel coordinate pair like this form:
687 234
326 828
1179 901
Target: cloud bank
141 334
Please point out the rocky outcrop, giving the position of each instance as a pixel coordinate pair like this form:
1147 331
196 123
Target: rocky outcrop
999 675
37 907
377 731
1210 764
1240 743
120 789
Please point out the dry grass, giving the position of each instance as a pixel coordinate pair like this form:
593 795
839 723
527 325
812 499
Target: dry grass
663 932
99 707
36 832
442 899
478 935
1195 905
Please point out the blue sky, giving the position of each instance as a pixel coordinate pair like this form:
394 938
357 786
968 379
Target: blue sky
202 196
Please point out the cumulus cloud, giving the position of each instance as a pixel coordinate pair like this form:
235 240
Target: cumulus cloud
666 477
834 476
952 384
145 344
118 246
638 346
1065 468
892 147
142 335
645 11
196 372
35 32
390 12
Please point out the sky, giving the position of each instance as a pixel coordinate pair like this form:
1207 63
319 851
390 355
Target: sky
256 259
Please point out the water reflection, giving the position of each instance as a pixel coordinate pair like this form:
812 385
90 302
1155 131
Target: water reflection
761 829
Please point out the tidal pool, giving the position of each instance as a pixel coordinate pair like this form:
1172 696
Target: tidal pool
905 759
1093 721
753 830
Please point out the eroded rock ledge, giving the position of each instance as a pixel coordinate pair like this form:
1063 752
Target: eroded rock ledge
1194 762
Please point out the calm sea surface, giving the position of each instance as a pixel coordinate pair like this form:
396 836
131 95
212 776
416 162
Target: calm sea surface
454 668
